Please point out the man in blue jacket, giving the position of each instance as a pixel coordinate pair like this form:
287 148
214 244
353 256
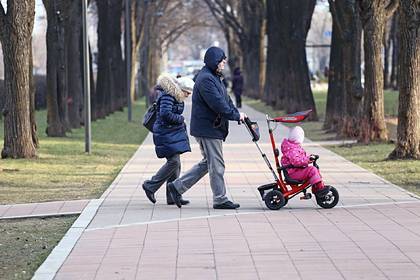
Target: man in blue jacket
211 111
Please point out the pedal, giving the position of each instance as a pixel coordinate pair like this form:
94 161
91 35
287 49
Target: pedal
306 196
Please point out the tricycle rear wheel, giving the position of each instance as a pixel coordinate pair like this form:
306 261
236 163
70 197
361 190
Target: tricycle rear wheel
274 200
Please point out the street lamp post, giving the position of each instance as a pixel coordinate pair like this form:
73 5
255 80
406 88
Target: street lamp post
86 80
128 55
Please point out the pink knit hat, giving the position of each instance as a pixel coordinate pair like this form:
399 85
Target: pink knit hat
296 134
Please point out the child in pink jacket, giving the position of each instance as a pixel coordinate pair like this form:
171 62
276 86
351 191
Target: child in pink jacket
294 154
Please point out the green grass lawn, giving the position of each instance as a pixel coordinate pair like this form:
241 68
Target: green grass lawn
404 173
24 244
63 171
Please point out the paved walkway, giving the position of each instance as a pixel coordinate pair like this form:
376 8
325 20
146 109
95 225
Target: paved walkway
42 209
374 232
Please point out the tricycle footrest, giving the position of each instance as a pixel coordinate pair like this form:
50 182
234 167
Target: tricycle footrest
267 187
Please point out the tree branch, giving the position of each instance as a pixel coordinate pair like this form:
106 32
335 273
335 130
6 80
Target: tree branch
391 8
219 7
217 17
230 17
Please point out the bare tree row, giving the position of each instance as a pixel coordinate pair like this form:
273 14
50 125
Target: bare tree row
154 25
278 75
353 109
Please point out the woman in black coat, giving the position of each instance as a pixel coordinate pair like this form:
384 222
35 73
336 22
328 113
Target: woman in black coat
169 132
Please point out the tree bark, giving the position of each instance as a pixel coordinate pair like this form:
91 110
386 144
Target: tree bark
262 62
335 95
73 37
110 83
57 90
347 28
273 92
408 131
15 37
252 13
374 14
32 98
287 74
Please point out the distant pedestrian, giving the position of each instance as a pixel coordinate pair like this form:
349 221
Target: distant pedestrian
225 83
212 109
169 133
238 86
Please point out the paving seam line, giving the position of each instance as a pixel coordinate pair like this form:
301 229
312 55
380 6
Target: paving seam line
242 213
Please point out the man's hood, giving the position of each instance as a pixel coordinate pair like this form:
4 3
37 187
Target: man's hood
213 57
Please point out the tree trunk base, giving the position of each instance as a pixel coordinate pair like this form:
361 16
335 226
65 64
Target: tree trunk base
371 133
8 153
404 153
55 131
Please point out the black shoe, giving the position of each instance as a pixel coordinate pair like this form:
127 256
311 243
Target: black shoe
227 205
323 192
150 195
183 201
174 194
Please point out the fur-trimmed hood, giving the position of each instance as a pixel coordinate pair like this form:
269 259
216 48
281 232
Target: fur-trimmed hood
171 87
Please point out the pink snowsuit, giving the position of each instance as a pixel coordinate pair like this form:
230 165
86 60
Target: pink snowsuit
294 154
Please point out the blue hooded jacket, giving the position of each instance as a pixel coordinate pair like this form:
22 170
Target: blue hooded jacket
212 108
169 131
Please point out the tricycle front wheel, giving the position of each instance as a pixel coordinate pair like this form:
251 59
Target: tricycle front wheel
329 200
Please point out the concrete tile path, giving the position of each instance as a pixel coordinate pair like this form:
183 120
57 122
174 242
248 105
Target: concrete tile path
374 232
42 209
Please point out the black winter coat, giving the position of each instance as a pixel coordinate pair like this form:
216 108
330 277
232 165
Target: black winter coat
212 108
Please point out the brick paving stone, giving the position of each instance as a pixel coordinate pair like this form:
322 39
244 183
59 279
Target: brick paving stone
373 233
42 209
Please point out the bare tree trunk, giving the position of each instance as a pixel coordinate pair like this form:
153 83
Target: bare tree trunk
347 26
408 143
57 91
374 14
110 83
274 94
32 98
335 95
73 38
143 72
252 13
287 73
263 57
15 37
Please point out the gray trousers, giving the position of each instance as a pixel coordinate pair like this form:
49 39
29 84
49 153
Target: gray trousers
212 163
167 173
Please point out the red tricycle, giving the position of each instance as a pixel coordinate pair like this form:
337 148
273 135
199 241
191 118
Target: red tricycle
277 194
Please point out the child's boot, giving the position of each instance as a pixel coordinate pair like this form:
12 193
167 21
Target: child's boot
320 190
